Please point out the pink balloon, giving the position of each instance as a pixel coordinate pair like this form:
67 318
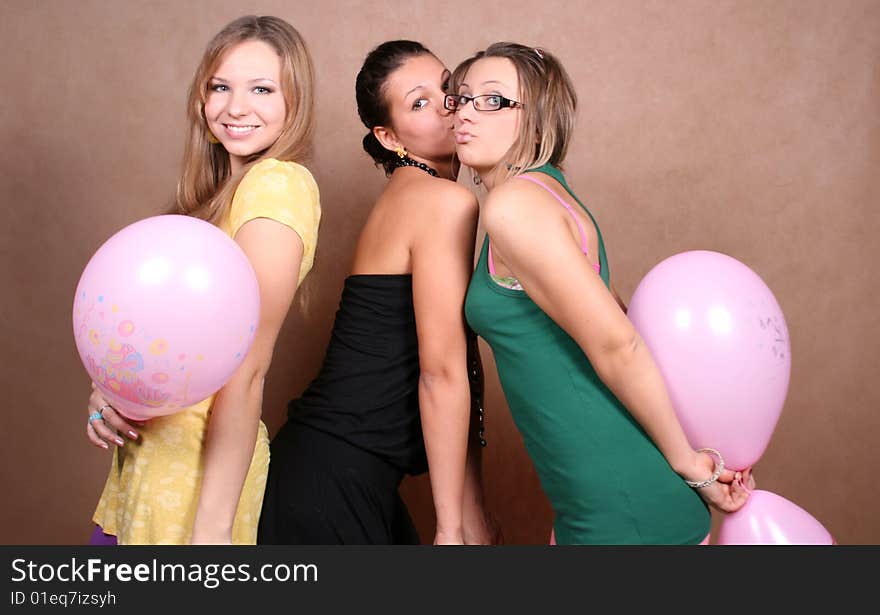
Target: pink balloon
164 313
720 340
769 519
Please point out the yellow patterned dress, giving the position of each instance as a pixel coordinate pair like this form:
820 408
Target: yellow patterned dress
153 488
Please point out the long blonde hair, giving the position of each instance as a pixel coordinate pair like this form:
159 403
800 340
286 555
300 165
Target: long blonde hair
549 105
207 185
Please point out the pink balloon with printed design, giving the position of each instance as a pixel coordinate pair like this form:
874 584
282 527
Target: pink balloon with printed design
770 519
720 340
164 313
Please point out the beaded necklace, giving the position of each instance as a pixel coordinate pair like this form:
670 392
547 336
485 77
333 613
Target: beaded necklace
475 377
406 161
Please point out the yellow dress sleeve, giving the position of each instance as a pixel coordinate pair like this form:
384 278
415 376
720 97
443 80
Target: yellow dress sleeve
281 191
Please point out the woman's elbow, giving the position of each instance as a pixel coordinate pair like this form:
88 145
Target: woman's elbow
432 377
435 374
615 356
251 375
257 379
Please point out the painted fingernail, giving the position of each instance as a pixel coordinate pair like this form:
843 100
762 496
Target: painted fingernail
104 445
133 435
119 441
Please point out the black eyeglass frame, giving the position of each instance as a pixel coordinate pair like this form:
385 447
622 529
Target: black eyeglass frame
461 100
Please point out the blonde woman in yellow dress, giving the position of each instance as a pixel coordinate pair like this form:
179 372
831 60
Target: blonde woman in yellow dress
198 476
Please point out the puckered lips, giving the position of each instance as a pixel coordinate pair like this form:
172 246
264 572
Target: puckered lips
463 136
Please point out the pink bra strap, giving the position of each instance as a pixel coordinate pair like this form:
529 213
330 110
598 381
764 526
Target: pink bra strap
535 180
568 208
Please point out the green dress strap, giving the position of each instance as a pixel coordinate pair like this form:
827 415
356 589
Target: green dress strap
555 173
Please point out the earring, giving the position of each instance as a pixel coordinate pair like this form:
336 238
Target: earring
400 151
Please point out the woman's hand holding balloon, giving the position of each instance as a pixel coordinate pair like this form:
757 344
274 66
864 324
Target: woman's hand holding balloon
724 489
104 423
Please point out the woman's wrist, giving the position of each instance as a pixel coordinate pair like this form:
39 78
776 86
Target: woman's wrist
686 464
447 535
208 529
210 538
700 468
718 468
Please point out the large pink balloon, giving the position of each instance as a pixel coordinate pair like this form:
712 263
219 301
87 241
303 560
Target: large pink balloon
721 343
769 519
164 313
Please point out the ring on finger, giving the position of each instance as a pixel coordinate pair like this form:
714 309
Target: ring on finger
99 414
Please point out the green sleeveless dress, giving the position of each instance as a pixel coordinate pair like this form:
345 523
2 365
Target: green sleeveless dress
606 480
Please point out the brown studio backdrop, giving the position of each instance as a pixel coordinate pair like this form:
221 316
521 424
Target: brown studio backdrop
746 127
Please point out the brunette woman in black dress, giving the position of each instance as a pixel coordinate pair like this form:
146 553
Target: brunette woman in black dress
393 395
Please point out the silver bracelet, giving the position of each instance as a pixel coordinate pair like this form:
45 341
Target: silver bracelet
719 468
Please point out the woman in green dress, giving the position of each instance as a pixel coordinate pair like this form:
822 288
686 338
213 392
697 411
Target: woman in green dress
583 389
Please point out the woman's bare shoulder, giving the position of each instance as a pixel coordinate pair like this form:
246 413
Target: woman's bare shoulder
435 196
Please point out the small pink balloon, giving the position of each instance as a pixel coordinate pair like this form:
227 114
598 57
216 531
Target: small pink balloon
720 340
770 519
164 313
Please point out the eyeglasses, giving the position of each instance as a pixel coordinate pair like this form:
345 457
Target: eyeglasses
486 102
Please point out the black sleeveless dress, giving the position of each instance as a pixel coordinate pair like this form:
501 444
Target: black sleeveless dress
337 462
